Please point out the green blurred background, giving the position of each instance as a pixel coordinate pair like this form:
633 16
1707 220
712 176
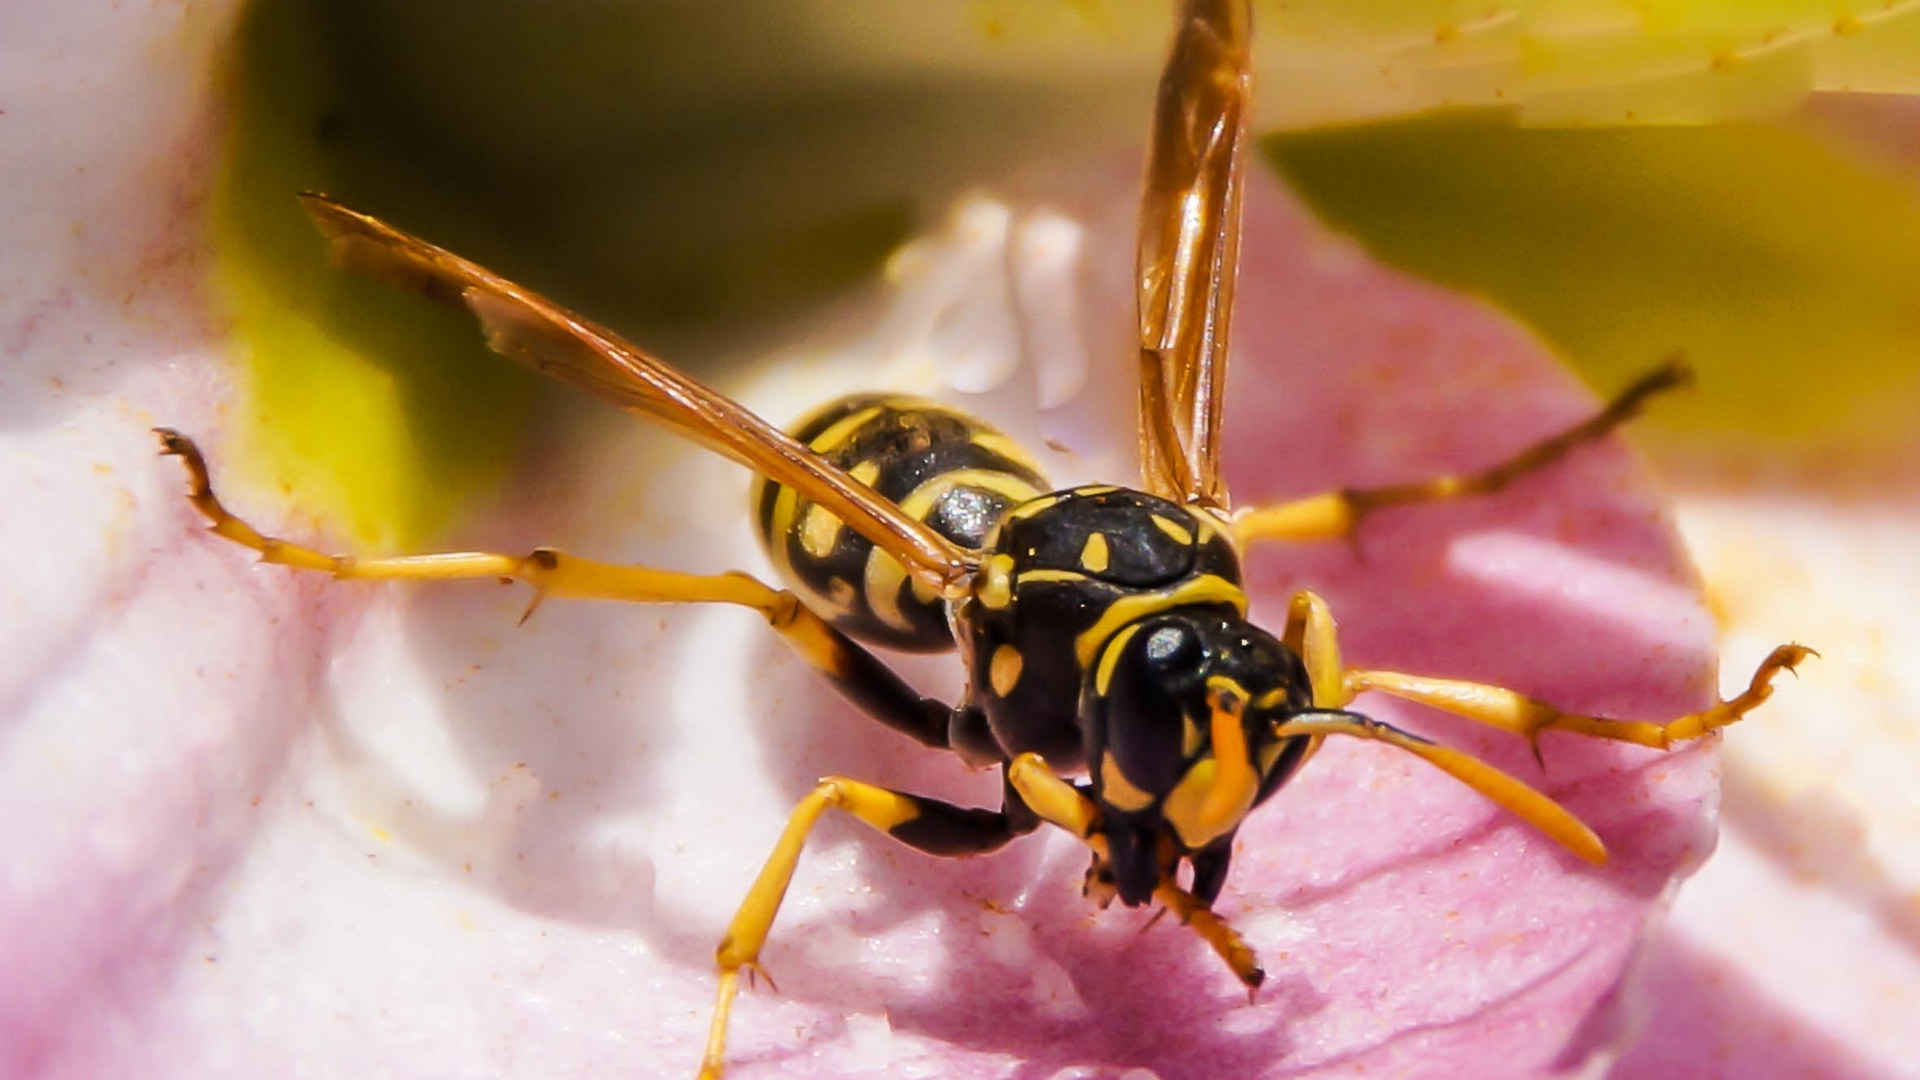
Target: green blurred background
1628 187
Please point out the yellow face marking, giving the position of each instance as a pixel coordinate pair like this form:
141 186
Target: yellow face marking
1109 657
1199 589
1093 557
838 432
1180 533
994 587
1271 700
1117 791
1003 671
820 531
1095 489
1182 807
866 472
1234 780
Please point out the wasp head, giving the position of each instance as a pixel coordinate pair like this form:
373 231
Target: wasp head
1179 712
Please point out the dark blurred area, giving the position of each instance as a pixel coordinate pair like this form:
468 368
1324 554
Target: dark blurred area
672 167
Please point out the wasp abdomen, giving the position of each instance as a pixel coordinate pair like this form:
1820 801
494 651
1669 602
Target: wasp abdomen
945 468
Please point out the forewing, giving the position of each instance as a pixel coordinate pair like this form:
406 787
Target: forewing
1189 249
521 324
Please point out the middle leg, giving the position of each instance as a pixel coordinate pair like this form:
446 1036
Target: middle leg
1310 632
1310 629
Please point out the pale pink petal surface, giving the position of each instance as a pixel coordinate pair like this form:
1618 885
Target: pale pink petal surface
263 825
467 848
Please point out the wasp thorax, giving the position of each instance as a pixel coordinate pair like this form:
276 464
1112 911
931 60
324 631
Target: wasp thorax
1059 576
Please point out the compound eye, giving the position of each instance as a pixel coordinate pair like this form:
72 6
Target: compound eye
1140 728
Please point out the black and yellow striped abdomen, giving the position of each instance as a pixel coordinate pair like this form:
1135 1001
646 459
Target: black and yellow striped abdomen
943 467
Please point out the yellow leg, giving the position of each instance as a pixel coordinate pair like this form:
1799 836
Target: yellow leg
1528 717
853 670
1333 515
1310 632
548 571
1060 803
1507 791
927 824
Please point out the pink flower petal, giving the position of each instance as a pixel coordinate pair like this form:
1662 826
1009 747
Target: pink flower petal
265 825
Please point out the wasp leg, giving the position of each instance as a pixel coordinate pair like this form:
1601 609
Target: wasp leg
1528 717
1507 791
1060 803
1310 629
1334 515
854 671
1310 632
930 825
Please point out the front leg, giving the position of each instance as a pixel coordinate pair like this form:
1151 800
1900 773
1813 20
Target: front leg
932 826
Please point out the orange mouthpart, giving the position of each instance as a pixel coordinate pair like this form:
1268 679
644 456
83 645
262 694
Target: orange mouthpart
1234 781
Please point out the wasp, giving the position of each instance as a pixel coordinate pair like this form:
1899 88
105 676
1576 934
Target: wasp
1114 677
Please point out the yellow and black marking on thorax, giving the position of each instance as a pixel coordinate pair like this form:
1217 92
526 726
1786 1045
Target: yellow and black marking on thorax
1065 573
938 465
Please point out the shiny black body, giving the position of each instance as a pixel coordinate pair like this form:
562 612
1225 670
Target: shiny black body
943 467
1054 597
1098 619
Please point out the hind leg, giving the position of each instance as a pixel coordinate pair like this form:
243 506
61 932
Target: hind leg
1334 515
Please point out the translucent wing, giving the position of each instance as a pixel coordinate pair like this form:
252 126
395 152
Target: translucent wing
539 333
1189 250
